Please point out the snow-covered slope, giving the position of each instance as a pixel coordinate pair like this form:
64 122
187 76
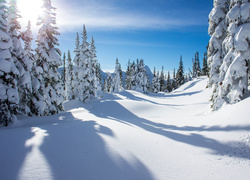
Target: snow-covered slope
132 136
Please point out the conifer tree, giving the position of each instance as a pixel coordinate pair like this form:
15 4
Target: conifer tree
116 85
169 84
180 79
155 85
84 69
98 74
48 60
205 66
64 71
95 85
30 98
9 98
109 81
24 65
196 66
162 80
133 73
217 31
105 88
69 78
233 73
128 78
141 79
76 81
174 83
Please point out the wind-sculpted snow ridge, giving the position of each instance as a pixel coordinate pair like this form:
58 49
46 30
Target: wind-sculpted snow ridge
131 135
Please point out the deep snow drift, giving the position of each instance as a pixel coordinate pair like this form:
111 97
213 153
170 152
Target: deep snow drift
132 136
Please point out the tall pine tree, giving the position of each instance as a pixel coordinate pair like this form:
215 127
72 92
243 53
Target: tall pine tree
76 81
9 98
69 78
49 59
232 83
180 79
84 70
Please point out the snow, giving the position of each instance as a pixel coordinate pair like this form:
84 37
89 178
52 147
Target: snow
130 135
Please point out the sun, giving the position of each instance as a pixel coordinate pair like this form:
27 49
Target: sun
29 10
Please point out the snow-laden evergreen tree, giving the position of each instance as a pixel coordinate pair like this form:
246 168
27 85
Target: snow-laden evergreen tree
217 30
133 72
142 83
169 87
233 79
98 73
9 98
196 66
116 85
95 85
69 78
48 60
76 81
205 65
30 95
162 80
84 70
109 81
24 65
105 86
174 83
128 78
180 79
155 85
64 71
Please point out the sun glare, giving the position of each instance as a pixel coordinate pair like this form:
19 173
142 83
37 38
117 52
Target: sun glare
30 10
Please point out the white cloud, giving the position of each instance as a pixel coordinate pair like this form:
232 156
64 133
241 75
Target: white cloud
109 17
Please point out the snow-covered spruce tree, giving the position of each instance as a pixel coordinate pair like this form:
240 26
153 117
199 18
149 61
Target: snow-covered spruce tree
169 87
180 79
142 82
133 72
48 60
9 98
196 66
217 30
69 78
234 69
35 102
84 70
95 85
116 84
64 71
162 80
205 66
29 94
24 65
77 67
155 85
174 83
109 81
128 78
105 86
98 73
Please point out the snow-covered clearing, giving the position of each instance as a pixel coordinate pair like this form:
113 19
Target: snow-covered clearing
132 136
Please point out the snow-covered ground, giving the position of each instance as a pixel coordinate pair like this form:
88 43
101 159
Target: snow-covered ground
132 136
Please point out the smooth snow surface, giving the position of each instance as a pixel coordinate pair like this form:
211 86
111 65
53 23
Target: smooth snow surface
132 136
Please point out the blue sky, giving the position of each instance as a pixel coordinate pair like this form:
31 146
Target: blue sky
158 31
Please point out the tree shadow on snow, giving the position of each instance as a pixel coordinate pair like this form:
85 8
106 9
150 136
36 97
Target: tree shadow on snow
131 96
114 111
70 148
